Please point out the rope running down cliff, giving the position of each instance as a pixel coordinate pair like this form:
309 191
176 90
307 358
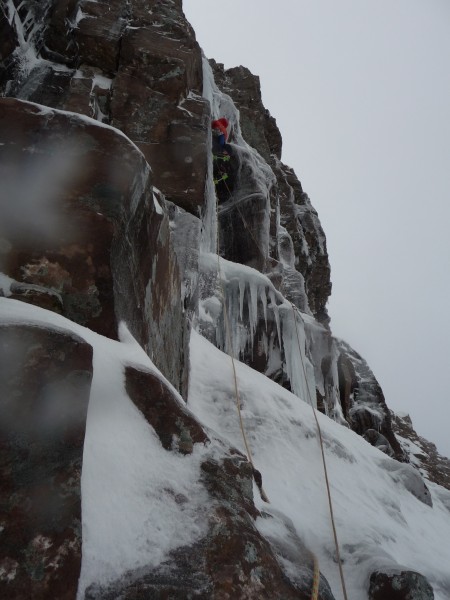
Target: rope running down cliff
236 386
327 483
324 463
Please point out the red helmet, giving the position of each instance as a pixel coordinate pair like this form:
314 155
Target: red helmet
223 121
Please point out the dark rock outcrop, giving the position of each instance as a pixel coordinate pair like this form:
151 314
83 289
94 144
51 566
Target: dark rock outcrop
44 390
421 453
363 402
259 128
403 585
174 425
135 65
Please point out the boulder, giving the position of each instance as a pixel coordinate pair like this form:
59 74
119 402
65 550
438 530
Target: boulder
82 233
401 585
45 381
173 424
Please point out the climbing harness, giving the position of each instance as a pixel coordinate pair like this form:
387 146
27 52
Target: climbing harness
316 575
223 178
223 157
220 160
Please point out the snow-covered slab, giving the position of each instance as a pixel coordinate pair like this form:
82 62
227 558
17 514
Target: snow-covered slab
83 119
381 522
130 483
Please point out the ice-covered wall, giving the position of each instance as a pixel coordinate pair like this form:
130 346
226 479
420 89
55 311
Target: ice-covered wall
257 281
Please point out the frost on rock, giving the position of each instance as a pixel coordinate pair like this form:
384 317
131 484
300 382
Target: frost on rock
185 234
410 478
362 401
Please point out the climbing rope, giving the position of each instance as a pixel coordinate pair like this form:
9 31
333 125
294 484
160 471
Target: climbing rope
324 463
316 579
316 576
256 474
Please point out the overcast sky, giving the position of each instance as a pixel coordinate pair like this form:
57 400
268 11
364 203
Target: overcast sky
360 90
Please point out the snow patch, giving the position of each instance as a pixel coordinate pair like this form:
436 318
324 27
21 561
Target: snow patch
379 522
139 501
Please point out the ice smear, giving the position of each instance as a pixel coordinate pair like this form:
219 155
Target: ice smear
249 296
208 241
255 177
185 233
298 340
130 517
5 285
378 523
26 52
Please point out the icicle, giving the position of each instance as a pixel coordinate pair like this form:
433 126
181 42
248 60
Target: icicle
263 298
242 286
276 313
253 308
208 242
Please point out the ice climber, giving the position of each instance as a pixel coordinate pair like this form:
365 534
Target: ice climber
223 159
220 133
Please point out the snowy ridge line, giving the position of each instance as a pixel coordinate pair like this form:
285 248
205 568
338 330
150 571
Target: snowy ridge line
208 261
46 110
15 312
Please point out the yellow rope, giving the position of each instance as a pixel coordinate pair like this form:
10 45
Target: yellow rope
316 579
228 335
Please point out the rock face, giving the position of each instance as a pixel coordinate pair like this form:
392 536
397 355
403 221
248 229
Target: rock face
363 403
44 389
108 215
405 585
74 244
421 453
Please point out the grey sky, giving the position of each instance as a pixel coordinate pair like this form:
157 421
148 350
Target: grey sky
361 93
